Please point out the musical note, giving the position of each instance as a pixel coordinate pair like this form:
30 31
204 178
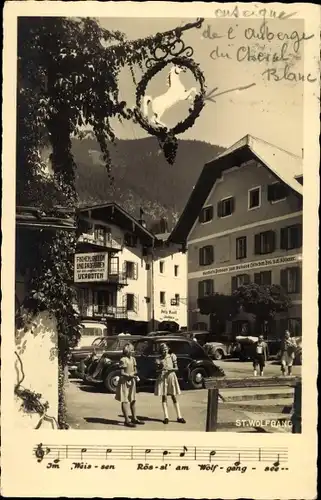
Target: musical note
229 455
182 454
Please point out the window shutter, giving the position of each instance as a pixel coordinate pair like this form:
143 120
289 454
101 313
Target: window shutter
211 212
272 240
232 205
257 278
300 235
270 192
136 270
283 238
257 244
284 279
200 289
267 280
201 216
299 279
211 287
136 303
234 283
211 254
201 257
246 279
219 209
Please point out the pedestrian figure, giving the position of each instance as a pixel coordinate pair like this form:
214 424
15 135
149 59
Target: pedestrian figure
167 383
126 388
288 348
260 355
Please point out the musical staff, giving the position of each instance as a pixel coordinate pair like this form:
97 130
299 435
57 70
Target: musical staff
273 455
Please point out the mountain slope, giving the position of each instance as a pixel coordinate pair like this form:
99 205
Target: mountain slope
143 178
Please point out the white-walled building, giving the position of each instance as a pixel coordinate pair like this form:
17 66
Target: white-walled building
118 273
170 282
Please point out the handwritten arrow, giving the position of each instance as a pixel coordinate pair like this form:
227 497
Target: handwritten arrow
210 96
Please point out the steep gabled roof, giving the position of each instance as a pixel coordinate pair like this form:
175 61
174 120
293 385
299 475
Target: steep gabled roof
114 214
286 166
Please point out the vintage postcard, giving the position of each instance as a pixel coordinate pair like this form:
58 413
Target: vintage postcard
160 249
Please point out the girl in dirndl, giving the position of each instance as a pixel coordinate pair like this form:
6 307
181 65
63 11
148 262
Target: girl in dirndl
167 383
126 388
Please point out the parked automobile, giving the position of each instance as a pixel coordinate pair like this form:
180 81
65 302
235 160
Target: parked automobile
90 330
244 349
193 363
215 349
159 333
77 359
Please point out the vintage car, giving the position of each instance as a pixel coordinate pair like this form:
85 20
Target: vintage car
193 363
216 349
90 330
79 358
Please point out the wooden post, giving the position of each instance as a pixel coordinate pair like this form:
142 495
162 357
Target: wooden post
212 410
296 417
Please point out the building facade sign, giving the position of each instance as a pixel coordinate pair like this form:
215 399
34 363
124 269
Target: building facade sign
247 266
168 315
91 267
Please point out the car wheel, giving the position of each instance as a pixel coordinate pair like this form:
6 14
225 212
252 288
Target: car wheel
111 381
218 354
197 378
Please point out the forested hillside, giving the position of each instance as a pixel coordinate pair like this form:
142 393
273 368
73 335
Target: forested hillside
143 178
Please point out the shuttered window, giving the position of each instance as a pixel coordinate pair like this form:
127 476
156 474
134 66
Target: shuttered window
263 278
290 279
291 237
277 192
241 247
264 242
206 255
239 280
131 270
226 207
206 214
205 288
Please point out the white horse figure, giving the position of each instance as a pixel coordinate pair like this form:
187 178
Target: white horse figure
175 93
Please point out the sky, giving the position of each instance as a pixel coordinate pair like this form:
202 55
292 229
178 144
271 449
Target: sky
270 110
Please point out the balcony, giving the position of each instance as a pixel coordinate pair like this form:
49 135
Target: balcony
117 278
101 241
96 311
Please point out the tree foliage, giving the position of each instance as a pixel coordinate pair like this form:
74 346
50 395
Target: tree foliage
262 300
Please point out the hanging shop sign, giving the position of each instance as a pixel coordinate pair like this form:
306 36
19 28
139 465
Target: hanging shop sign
174 55
91 267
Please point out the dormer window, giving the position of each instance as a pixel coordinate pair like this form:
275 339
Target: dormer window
206 214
